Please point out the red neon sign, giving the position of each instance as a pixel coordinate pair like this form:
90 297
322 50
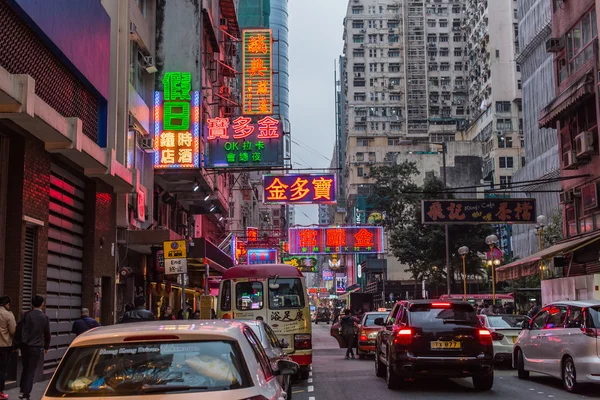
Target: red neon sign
336 240
300 188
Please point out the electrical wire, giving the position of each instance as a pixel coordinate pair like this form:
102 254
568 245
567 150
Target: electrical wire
315 152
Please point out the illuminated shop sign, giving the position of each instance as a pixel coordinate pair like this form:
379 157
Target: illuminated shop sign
299 188
262 256
484 211
243 142
177 123
303 263
257 80
336 240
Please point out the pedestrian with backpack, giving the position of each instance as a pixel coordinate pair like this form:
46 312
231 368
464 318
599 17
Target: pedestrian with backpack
84 323
8 326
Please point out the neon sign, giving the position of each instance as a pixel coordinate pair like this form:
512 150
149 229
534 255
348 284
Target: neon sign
299 188
262 256
303 263
177 123
257 80
336 240
243 143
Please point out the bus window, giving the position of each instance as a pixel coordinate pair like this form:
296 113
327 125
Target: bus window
289 294
226 296
249 296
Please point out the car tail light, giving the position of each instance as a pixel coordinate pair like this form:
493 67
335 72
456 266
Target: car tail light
149 337
485 337
363 338
403 336
440 305
302 342
591 332
497 336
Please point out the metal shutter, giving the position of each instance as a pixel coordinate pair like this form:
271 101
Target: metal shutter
28 263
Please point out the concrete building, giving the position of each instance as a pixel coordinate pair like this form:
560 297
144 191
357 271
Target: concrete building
495 86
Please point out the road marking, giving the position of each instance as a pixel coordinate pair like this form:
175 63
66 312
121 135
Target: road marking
311 388
311 398
550 395
309 380
298 391
310 373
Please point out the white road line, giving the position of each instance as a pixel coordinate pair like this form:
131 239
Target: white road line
310 373
311 398
309 380
311 389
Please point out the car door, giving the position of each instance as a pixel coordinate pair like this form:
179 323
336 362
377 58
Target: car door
386 332
270 386
530 341
552 340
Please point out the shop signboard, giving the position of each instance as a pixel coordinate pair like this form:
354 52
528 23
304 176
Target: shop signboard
479 211
299 189
303 263
336 240
257 74
262 256
175 266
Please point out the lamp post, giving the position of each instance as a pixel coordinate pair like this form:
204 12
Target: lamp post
491 241
463 251
542 221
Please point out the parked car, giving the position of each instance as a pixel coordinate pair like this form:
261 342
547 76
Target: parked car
274 349
213 359
505 330
423 338
323 315
367 332
562 341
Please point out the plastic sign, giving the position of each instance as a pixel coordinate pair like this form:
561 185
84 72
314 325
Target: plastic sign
303 263
243 142
257 76
177 123
175 249
479 211
262 256
299 188
336 240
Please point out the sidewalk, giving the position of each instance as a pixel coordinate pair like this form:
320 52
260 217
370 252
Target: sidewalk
36 394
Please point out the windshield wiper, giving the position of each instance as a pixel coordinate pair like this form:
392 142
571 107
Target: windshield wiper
169 388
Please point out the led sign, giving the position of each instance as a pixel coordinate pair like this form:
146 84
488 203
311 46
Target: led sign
479 211
262 256
257 80
303 263
177 123
299 188
336 240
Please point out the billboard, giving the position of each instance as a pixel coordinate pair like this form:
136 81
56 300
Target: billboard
177 123
243 142
336 240
303 263
299 189
478 211
262 256
257 79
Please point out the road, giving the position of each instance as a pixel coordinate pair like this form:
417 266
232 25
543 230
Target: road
335 378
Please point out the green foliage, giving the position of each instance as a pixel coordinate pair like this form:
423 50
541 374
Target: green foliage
554 231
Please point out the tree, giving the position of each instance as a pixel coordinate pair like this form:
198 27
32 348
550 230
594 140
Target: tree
554 231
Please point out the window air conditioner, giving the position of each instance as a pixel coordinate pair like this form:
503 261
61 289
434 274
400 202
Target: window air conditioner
569 160
566 197
147 144
584 144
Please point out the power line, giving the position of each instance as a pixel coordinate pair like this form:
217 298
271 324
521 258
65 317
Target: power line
315 152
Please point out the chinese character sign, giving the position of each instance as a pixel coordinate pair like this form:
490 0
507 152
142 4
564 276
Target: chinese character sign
299 188
262 256
336 240
177 123
252 234
243 142
484 211
257 76
303 263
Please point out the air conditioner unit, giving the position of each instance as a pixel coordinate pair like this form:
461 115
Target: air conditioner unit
146 144
569 160
555 45
566 197
584 144
132 28
130 121
149 64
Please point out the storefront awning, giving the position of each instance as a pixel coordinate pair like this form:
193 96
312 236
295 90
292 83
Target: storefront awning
572 96
528 265
204 251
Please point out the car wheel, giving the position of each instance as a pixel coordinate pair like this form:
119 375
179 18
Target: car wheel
379 366
304 374
483 382
569 376
521 366
289 390
392 380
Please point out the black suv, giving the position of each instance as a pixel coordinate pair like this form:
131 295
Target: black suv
433 338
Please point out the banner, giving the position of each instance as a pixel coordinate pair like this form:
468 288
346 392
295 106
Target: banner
479 211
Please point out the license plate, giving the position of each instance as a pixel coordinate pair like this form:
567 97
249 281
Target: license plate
514 339
445 345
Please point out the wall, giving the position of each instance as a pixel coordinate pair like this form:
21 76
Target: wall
572 288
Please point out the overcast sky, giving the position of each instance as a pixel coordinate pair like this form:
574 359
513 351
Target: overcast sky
316 28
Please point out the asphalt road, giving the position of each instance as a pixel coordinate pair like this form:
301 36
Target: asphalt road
335 378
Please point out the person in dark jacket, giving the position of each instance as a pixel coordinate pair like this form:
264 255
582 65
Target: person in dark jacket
84 323
347 326
35 339
139 314
167 314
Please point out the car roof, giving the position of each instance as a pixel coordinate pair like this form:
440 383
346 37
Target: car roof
185 330
436 301
579 303
376 312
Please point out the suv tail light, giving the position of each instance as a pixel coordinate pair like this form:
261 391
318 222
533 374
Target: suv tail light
485 337
591 332
403 336
497 336
302 342
363 336
440 305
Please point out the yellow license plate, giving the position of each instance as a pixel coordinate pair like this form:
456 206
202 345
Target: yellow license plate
514 339
445 344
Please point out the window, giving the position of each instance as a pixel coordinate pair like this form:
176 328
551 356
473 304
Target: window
457 38
357 38
516 13
497 53
540 320
358 68
455 9
393 141
504 124
249 296
357 10
579 43
574 317
458 52
358 53
259 352
395 96
373 38
358 24
395 127
394 81
359 172
381 37
556 317
394 67
444 52
433 66
288 294
445 66
393 38
226 296
519 84
359 83
392 316
458 66
393 53
362 141
372 156
360 97
443 23
443 38
506 162
142 6
431 23
522 162
503 106
360 156
505 142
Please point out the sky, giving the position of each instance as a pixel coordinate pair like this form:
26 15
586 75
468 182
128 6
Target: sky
316 29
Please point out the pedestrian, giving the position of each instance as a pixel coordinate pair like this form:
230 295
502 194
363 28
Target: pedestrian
347 324
484 309
35 342
510 308
213 314
139 313
84 323
534 309
167 314
8 326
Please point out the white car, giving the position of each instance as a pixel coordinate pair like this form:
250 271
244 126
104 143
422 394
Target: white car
562 341
213 359
505 330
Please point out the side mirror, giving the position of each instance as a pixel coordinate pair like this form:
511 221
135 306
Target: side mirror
286 367
379 321
284 344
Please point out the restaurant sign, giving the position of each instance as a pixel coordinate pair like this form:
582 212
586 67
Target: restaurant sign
478 211
257 79
336 240
299 189
262 256
303 263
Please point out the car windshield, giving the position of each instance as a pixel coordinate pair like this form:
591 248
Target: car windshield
595 314
506 321
287 294
453 314
370 318
130 369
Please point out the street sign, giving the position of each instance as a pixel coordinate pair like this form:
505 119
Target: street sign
175 249
175 266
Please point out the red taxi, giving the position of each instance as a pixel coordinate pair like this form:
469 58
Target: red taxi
367 332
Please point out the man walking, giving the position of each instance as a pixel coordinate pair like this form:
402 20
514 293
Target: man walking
139 313
8 325
84 323
35 339
347 325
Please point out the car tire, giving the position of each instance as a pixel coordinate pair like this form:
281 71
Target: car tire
304 374
379 366
483 382
392 380
288 390
521 372
569 376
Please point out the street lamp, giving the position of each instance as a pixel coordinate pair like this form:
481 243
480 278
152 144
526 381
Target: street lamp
463 251
491 241
542 221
